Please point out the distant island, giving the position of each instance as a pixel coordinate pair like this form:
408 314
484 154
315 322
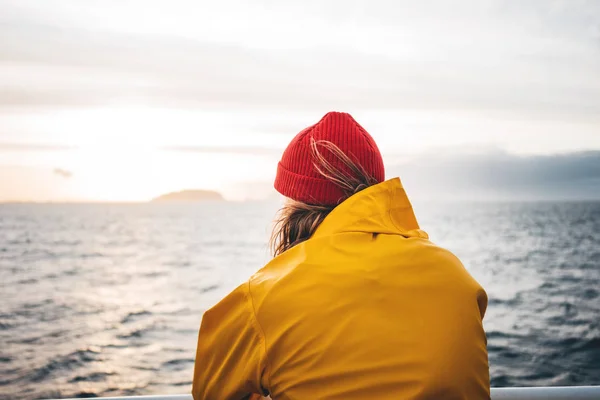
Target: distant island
189 196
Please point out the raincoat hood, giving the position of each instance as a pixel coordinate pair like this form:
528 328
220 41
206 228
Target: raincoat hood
382 208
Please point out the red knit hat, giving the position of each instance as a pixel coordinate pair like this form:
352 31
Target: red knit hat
297 177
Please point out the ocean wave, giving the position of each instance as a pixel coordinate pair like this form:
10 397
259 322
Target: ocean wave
92 377
76 359
134 316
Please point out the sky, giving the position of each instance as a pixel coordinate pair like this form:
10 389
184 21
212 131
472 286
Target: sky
123 100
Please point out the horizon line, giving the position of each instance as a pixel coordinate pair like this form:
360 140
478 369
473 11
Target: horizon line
267 199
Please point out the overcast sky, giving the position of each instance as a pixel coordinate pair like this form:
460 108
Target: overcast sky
124 100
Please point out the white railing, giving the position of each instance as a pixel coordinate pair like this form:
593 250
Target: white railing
521 393
547 393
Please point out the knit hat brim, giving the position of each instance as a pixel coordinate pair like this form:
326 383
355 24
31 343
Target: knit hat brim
307 189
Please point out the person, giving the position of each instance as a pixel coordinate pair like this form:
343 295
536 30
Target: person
357 302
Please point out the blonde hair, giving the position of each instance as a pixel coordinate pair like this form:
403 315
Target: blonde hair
297 221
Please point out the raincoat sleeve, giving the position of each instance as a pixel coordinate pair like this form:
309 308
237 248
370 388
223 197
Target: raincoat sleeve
230 359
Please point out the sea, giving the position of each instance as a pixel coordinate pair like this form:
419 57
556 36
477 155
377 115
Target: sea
106 299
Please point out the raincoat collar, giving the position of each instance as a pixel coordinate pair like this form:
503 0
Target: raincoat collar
382 208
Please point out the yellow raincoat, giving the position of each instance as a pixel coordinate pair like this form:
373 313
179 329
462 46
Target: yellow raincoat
367 308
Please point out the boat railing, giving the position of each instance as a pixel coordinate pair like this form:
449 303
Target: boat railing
515 393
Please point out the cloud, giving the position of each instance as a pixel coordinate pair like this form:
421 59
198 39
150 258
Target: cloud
10 146
62 173
280 128
257 151
525 58
482 176
502 176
